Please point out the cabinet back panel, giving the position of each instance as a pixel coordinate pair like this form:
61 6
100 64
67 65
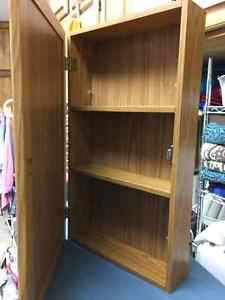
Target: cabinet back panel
136 70
134 142
134 218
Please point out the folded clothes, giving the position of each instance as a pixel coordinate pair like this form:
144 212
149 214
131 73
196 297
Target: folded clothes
217 188
214 210
213 152
207 200
206 174
214 133
221 215
212 207
214 165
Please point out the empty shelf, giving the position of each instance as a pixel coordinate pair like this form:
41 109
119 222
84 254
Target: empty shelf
151 185
134 260
147 109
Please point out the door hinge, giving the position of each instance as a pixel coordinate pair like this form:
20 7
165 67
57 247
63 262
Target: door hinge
70 63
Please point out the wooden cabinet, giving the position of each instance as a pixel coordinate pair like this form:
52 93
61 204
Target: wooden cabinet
5 74
134 89
134 93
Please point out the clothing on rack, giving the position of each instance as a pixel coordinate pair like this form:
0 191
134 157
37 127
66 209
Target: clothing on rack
221 215
214 210
215 134
214 165
2 137
217 189
2 141
206 203
8 167
216 98
213 207
206 174
213 152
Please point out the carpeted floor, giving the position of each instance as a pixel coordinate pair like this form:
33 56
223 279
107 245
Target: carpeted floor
82 275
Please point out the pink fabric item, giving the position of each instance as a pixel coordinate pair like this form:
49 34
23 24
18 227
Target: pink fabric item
8 167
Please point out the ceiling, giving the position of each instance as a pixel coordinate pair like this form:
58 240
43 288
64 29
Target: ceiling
4 14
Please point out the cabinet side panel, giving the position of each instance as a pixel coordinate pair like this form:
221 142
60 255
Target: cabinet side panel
188 84
38 91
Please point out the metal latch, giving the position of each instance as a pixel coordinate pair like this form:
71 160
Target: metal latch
66 212
70 63
169 153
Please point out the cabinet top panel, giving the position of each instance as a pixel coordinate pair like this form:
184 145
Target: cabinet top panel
157 17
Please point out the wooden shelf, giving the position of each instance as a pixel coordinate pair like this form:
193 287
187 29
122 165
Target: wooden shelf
157 17
144 109
134 260
151 185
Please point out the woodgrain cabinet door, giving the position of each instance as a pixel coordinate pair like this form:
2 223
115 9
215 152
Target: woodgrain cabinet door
37 43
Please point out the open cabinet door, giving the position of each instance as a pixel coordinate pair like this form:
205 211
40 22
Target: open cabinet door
37 45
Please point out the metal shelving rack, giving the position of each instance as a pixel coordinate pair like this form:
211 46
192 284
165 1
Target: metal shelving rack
204 184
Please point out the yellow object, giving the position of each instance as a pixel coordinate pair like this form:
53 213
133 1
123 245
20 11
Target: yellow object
74 25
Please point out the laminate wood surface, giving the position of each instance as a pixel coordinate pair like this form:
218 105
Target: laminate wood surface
215 16
5 74
47 12
214 43
4 47
131 142
128 216
185 133
134 260
154 62
38 92
148 80
152 185
161 16
143 108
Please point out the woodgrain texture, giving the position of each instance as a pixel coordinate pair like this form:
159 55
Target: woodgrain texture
215 43
157 17
156 66
50 17
132 259
132 142
142 108
152 185
118 140
215 31
38 91
185 132
148 80
215 17
5 75
4 47
122 214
